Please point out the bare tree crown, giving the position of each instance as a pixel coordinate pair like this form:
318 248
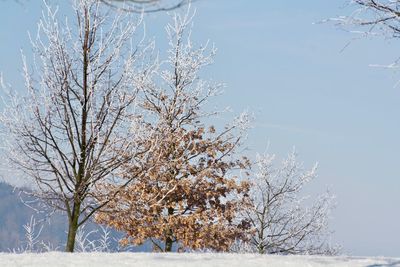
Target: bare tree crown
372 17
283 223
75 123
146 6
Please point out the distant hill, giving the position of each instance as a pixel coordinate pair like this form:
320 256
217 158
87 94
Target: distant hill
14 214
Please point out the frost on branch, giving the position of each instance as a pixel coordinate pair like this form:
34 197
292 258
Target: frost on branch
283 222
97 240
33 242
75 123
184 199
145 6
371 18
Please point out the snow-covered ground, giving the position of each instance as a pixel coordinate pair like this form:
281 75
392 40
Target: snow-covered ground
55 259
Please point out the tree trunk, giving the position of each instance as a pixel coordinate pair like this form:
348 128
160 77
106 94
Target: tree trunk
261 249
168 244
73 227
168 240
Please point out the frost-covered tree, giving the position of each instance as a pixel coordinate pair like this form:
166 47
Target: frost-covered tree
372 17
186 196
147 6
74 125
283 223
375 15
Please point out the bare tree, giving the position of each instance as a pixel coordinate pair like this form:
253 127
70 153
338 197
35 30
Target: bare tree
147 6
75 124
282 222
373 17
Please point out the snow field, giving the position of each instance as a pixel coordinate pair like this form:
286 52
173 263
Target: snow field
59 259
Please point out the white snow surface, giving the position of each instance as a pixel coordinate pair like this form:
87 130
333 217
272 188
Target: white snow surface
54 259
61 259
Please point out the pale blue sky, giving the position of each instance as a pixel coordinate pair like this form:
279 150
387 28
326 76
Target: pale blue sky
304 90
